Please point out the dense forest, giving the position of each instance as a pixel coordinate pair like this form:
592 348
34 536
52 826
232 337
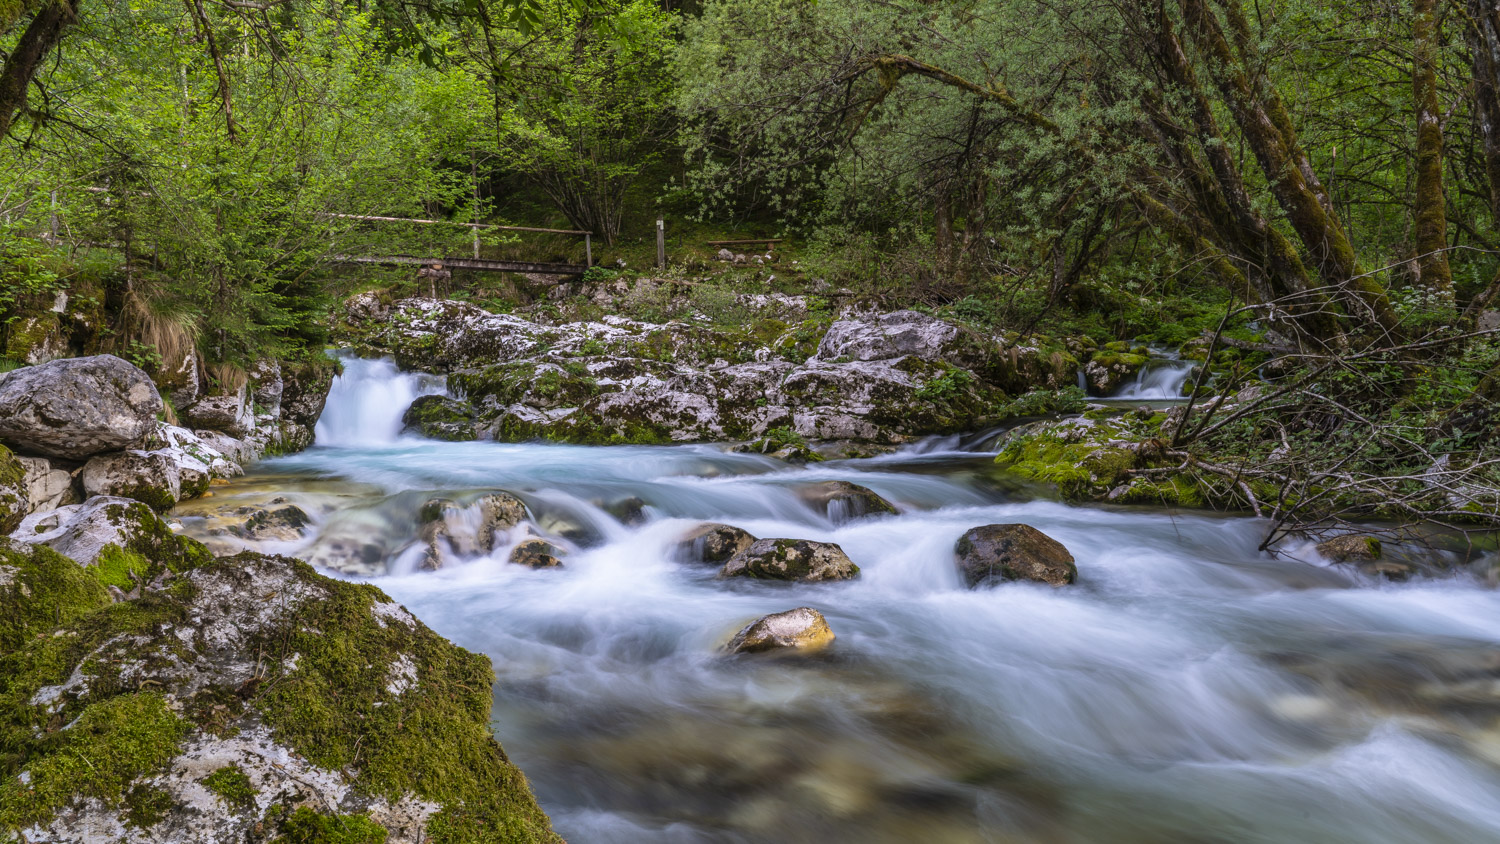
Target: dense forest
1306 192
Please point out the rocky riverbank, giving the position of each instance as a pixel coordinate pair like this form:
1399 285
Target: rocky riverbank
874 379
150 691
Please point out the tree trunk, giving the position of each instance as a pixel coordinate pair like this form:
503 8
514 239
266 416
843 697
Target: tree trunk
1484 55
1430 213
41 35
1263 120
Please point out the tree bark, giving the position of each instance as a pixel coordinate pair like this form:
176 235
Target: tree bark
42 34
1430 211
1484 56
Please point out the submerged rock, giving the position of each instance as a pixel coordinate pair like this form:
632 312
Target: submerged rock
77 408
712 543
791 559
1351 548
842 501
231 701
283 524
536 553
1013 552
802 629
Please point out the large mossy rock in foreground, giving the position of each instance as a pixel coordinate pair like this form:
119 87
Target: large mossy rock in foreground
240 699
77 408
1013 552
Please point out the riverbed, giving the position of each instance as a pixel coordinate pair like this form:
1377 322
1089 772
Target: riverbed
1186 689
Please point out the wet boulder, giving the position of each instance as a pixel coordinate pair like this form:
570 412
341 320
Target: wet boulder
467 530
1013 552
1351 548
629 511
712 543
147 476
791 559
77 408
536 553
842 501
1112 366
803 629
441 418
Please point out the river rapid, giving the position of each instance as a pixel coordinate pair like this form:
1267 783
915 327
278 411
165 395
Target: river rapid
1186 689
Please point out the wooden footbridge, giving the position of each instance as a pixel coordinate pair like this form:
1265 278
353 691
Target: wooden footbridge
476 262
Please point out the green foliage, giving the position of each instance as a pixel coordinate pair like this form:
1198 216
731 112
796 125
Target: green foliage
947 386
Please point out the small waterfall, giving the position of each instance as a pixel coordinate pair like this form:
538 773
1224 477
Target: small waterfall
1163 377
366 403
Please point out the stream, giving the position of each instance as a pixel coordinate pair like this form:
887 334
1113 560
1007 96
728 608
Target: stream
1186 689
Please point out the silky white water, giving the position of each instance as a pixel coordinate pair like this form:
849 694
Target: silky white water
1163 377
1186 689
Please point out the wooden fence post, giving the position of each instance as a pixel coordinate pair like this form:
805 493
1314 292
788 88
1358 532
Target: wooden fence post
588 249
661 244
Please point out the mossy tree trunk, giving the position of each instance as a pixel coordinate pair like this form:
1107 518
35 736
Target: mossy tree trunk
1430 229
1267 129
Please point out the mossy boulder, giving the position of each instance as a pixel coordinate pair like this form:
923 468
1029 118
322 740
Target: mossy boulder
244 698
84 532
996 553
441 418
1083 458
151 477
1108 369
791 559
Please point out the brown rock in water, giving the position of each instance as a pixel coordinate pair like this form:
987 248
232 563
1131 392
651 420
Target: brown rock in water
1013 552
801 560
712 543
1350 548
536 553
802 629
842 501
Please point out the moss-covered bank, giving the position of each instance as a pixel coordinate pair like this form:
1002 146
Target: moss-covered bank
239 699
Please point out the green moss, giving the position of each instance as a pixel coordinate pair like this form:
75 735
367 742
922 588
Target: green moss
1080 470
120 568
113 742
40 589
231 784
433 740
157 498
306 826
13 506
146 806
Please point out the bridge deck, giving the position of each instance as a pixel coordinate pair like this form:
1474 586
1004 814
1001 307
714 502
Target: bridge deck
469 264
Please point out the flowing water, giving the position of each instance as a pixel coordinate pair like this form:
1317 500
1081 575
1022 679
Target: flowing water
1163 377
1186 689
